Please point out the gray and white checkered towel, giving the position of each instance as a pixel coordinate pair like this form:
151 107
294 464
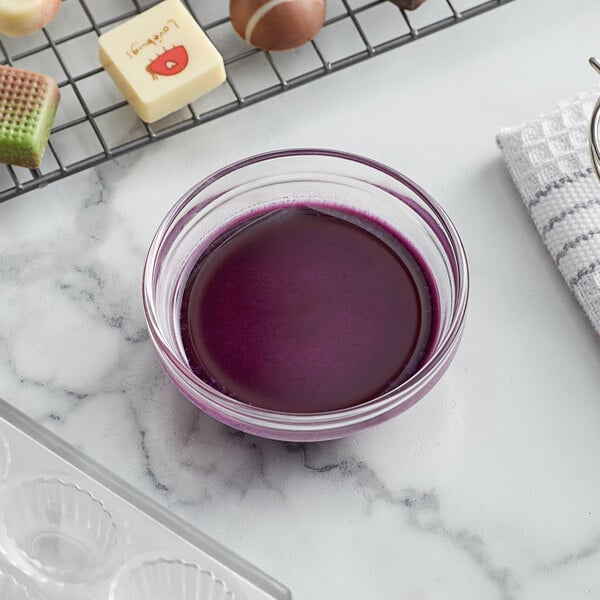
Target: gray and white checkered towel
550 163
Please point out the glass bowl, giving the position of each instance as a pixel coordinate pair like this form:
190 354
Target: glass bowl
301 177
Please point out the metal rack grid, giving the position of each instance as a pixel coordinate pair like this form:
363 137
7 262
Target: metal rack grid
94 123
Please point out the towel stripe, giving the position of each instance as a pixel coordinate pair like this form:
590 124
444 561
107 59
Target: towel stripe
584 237
568 213
584 273
558 184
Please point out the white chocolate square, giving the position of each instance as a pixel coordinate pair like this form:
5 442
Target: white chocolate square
161 60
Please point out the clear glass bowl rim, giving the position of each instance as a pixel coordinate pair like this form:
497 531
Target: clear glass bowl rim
260 417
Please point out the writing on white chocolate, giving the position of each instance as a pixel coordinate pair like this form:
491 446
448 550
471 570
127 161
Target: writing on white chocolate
156 39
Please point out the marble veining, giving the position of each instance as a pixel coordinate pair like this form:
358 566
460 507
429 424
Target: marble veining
76 355
487 489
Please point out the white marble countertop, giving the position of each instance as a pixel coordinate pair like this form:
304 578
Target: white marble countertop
489 487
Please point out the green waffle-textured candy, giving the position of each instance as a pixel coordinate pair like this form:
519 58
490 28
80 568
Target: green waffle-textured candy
28 103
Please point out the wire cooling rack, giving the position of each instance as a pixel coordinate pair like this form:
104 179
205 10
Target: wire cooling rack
94 123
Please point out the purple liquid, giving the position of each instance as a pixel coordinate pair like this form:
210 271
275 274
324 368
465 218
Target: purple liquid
307 310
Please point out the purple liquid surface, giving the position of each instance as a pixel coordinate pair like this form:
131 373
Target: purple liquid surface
306 310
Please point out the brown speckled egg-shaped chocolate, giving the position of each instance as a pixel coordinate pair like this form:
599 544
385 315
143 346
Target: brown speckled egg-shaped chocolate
277 24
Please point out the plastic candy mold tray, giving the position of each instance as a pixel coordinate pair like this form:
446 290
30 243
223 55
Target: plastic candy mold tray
70 529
